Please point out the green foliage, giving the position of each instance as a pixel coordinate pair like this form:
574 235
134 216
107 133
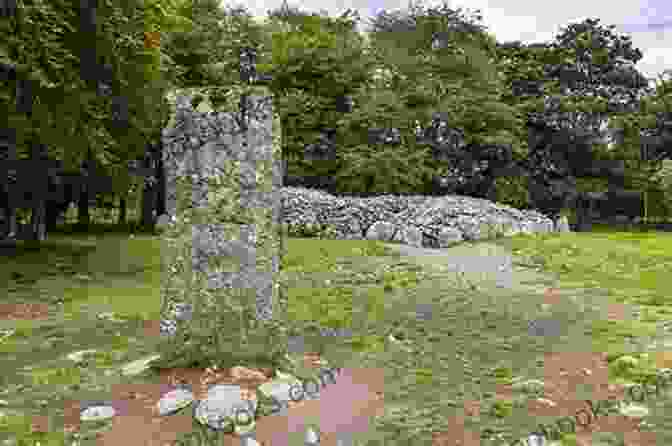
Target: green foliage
459 79
660 204
68 114
207 54
366 168
512 191
313 59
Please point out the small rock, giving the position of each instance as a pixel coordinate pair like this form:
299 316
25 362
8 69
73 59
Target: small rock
174 400
222 401
96 413
163 221
449 237
248 440
381 230
536 440
312 437
409 235
545 327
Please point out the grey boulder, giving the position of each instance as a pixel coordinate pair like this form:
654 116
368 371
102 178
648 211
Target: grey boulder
381 230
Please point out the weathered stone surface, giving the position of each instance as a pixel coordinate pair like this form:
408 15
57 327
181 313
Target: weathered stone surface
449 237
221 230
408 235
381 230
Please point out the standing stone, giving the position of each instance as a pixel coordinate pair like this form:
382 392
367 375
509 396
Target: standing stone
222 234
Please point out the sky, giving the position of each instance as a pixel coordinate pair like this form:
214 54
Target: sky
648 22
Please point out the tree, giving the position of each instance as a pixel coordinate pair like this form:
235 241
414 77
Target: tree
436 61
65 98
205 54
316 62
576 83
646 142
455 68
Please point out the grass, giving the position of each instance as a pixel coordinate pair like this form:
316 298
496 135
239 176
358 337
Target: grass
630 265
124 274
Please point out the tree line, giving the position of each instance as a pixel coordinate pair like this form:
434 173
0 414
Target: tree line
334 89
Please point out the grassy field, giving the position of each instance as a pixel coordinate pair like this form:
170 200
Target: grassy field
355 285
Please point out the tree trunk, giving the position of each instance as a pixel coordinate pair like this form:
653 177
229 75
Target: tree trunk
150 190
53 210
122 210
148 205
9 228
83 217
584 214
38 203
12 228
161 188
7 212
38 230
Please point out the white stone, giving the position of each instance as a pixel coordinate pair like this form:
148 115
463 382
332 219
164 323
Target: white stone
449 237
471 229
279 388
248 440
381 230
409 235
174 400
222 401
312 437
536 440
163 221
95 413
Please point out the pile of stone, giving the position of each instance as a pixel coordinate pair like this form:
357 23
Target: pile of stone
421 221
225 402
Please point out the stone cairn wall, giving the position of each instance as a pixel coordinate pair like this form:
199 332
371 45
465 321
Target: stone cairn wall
221 233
